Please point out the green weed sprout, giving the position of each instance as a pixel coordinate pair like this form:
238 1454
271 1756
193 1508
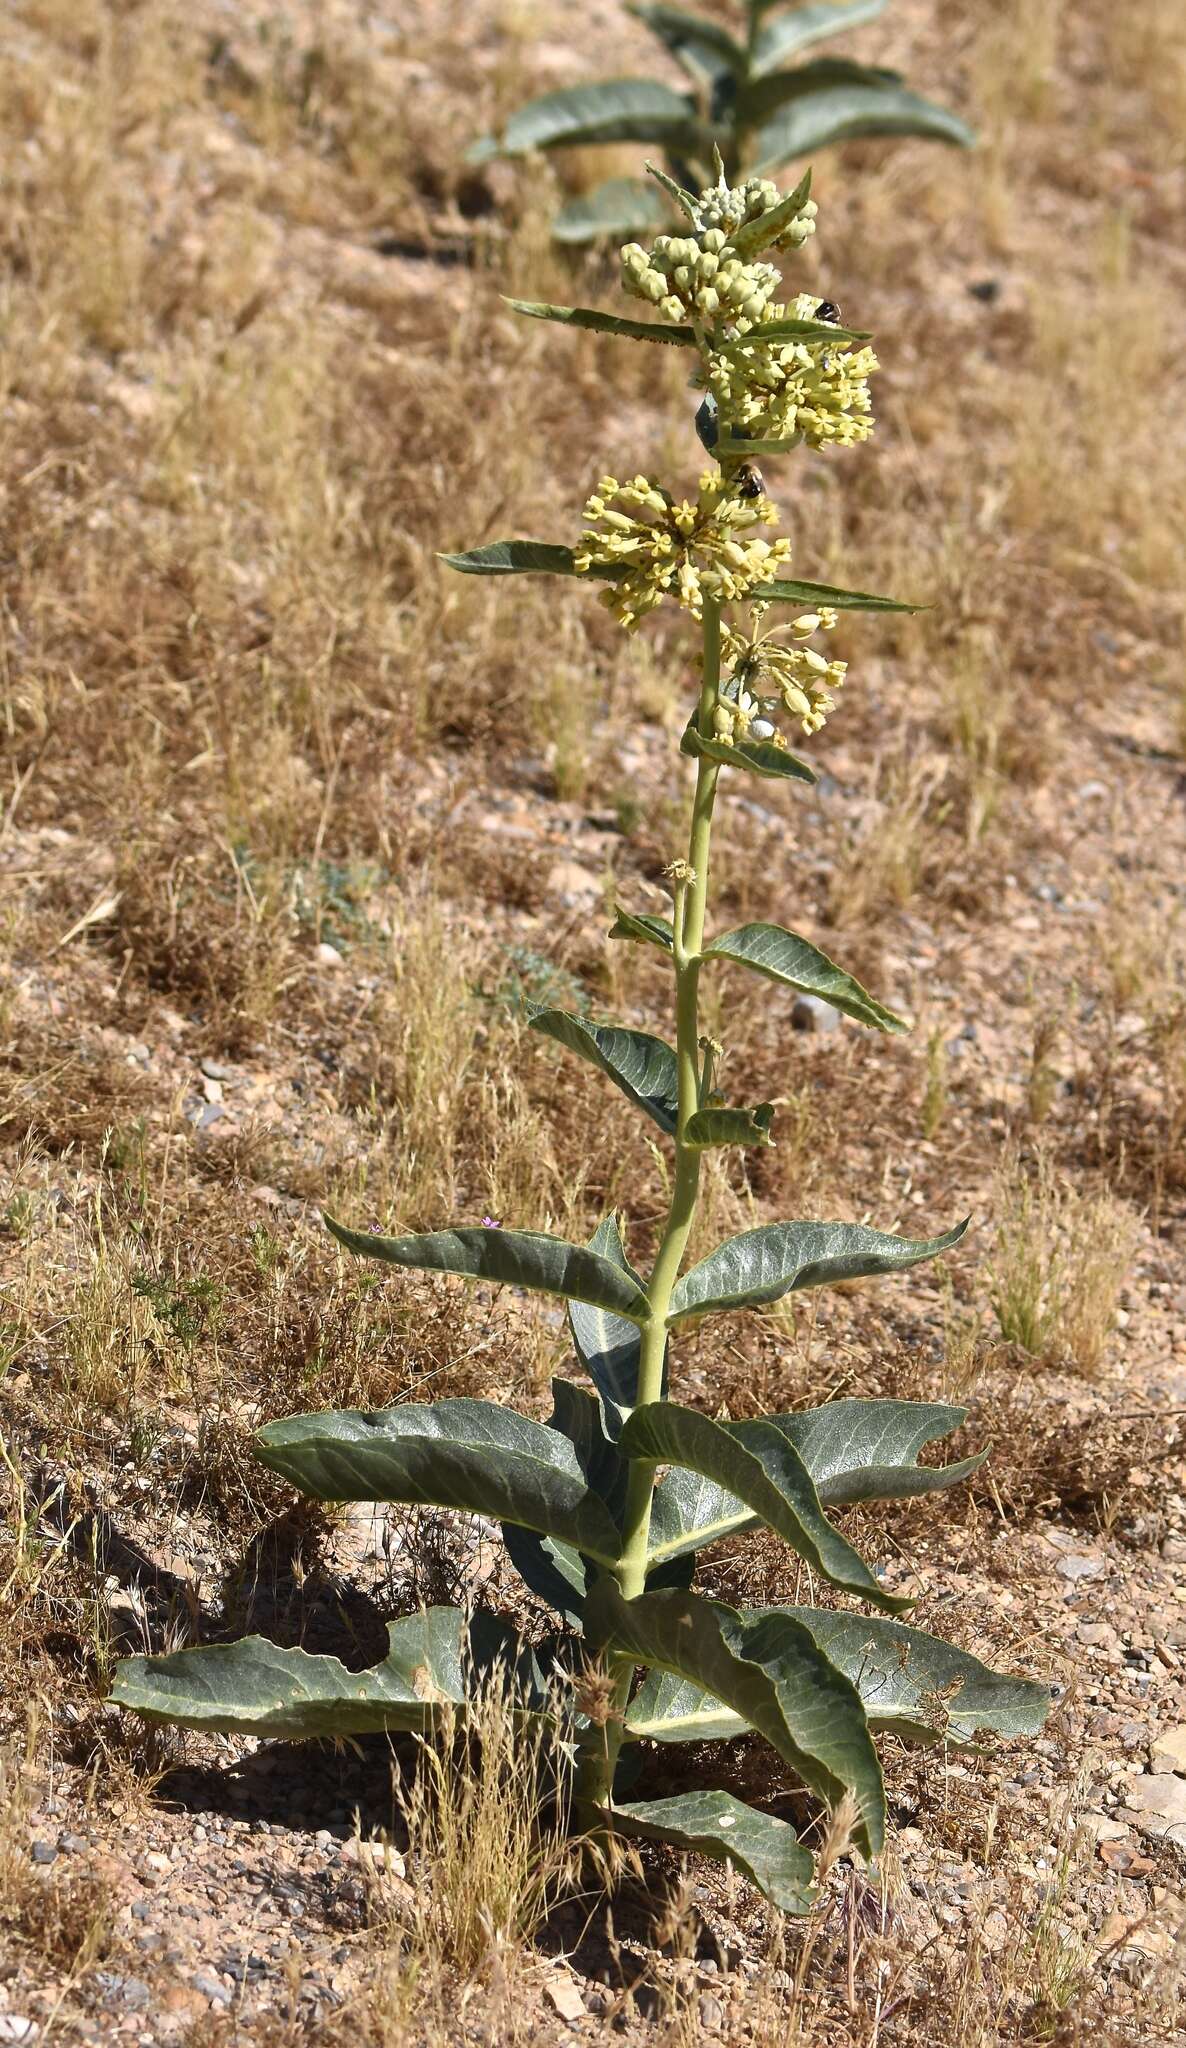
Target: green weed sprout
745 99
605 1507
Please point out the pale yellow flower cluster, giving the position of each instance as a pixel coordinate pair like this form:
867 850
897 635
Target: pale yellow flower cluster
812 391
766 675
660 547
690 277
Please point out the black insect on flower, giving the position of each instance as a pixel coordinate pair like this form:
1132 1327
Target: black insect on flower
828 311
750 481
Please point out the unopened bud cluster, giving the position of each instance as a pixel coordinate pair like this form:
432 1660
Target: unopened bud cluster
767 676
683 549
696 277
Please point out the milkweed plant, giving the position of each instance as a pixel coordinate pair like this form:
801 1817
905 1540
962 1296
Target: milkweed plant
605 1507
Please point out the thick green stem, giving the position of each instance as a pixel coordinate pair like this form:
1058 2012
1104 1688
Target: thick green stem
690 907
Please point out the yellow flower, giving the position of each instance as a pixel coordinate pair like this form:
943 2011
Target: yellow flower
662 548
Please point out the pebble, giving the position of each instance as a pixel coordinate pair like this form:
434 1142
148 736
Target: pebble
811 1013
211 1987
565 1998
328 956
712 2012
1157 1805
14 2027
1168 1750
572 883
43 1852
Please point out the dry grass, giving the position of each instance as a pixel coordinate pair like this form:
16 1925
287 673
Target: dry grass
1061 1259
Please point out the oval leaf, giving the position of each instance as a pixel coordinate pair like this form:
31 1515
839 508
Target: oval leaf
667 1709
606 323
770 1672
788 590
707 1127
513 1258
784 957
780 1258
703 47
868 1450
842 113
767 93
753 236
513 558
803 25
773 333
471 1455
620 110
766 1473
644 930
758 757
608 1345
763 1848
255 1688
619 206
643 1067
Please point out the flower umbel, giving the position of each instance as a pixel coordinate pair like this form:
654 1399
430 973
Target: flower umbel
764 676
685 550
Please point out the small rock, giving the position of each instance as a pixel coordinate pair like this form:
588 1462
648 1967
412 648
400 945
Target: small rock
1157 1805
328 956
712 2012
1078 1565
14 2027
211 1987
74 1845
572 883
811 1013
215 1071
43 1852
1100 1828
564 1997
1168 1750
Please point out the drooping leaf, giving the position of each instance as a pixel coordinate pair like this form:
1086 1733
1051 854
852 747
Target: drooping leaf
643 1067
766 1473
554 1571
764 1849
513 1258
703 47
607 323
771 1673
643 928
776 332
757 757
911 1684
253 1687
803 25
780 1258
618 206
920 1687
471 1455
578 1417
868 1450
784 957
789 590
708 1127
764 95
513 558
853 1451
608 1345
749 240
619 110
842 113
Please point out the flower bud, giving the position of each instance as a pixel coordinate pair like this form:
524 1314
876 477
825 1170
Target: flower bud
707 301
712 241
671 309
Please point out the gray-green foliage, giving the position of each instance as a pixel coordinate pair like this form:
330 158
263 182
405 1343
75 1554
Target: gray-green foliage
752 94
607 1507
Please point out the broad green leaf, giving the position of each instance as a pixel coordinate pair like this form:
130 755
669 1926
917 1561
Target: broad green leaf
766 94
770 1672
472 1455
911 1685
577 1416
703 47
620 110
642 1066
644 929
766 1473
853 1451
607 323
619 206
868 1450
841 113
554 1571
781 1258
776 332
513 558
513 1258
757 757
255 1688
784 957
707 1127
919 1687
607 1345
753 236
764 1849
789 590
804 25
